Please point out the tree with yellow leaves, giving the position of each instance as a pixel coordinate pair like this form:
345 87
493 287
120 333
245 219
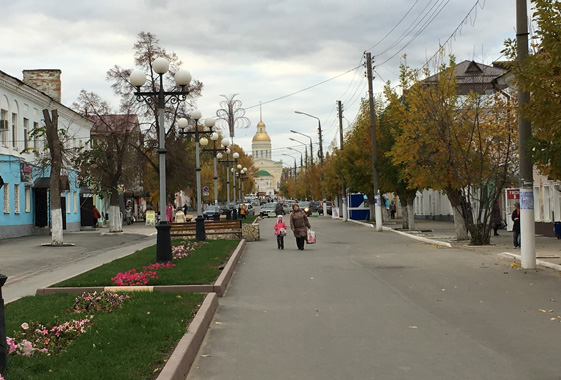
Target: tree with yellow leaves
463 145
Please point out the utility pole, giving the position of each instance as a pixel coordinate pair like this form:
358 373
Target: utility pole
527 221
343 185
375 177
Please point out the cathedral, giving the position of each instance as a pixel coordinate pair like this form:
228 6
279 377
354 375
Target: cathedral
269 175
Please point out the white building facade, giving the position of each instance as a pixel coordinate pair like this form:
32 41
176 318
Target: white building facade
25 190
268 180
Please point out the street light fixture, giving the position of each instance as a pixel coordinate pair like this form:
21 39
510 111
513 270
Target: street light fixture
215 152
209 123
182 78
227 161
311 146
320 156
301 157
294 158
305 148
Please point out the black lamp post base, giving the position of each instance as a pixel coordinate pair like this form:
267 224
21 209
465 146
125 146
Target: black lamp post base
163 243
200 228
234 214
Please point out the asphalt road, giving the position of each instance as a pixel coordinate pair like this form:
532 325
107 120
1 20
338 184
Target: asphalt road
366 305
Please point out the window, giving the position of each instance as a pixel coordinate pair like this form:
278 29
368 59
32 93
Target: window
35 144
6 198
25 133
68 210
16 198
75 202
4 135
15 130
27 199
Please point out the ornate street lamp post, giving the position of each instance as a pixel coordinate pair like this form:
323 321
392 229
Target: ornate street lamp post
215 152
227 161
182 79
183 123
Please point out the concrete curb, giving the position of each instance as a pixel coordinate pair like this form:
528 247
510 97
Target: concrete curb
538 262
222 281
420 238
182 358
219 286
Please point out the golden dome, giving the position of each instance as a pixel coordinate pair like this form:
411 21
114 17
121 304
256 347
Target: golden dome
261 136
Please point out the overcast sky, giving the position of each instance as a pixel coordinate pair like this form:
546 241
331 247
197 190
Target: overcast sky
305 53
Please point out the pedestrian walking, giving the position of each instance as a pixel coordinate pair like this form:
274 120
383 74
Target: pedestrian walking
243 210
496 218
299 224
280 231
169 213
96 216
516 226
180 216
128 215
393 209
279 209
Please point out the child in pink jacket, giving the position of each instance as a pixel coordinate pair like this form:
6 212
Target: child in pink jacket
280 231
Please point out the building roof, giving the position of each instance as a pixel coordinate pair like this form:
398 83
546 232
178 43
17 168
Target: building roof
263 173
474 76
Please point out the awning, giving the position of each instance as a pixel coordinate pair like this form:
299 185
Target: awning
42 183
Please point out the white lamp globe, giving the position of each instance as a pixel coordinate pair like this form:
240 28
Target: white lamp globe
209 122
182 77
236 155
214 136
196 115
182 123
225 142
227 150
244 170
160 65
203 141
137 78
239 166
219 156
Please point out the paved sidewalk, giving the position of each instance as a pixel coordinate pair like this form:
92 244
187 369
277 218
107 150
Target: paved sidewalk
548 249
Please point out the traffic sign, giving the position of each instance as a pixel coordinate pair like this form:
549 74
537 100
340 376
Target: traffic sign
205 189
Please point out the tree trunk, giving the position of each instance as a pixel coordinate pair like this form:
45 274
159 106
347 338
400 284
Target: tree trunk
115 217
460 225
55 148
410 215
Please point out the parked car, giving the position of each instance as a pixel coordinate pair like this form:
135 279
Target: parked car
268 208
306 206
212 212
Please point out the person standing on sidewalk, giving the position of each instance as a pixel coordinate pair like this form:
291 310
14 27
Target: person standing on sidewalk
299 224
516 226
280 231
496 218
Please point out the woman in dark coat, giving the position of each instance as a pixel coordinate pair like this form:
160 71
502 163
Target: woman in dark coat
516 225
299 224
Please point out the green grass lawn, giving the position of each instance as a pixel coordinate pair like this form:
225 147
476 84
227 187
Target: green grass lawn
133 341
129 343
200 268
249 219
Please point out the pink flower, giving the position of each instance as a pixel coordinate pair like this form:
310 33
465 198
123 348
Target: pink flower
24 326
